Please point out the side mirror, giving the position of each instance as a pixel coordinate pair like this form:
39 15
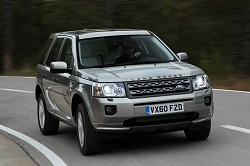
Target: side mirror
183 56
59 67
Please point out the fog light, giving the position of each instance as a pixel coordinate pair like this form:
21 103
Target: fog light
110 109
207 100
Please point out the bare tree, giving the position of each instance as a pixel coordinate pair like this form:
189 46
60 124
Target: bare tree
8 35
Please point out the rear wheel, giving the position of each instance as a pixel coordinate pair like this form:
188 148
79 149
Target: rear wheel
199 133
48 125
87 136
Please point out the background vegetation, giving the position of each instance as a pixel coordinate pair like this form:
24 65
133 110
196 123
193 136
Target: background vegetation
215 33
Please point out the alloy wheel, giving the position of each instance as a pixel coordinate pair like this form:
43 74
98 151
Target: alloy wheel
41 114
80 129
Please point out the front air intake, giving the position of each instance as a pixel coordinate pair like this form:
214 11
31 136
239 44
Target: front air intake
161 119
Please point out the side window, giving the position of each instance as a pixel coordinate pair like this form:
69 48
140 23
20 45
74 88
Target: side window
55 51
45 50
67 52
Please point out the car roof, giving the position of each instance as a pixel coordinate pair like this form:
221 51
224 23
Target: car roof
92 33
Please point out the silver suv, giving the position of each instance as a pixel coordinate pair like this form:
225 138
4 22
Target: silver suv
117 82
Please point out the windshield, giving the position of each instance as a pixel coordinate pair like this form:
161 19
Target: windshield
121 50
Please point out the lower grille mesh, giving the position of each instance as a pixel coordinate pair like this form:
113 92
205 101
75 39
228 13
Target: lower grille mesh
161 119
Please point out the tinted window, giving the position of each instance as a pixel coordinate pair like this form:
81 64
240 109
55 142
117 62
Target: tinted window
55 51
67 54
45 50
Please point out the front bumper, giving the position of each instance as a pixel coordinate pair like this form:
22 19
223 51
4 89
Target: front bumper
133 109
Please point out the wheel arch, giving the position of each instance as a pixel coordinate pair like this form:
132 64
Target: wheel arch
76 100
38 91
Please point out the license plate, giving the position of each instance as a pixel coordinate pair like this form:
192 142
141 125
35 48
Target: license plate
164 108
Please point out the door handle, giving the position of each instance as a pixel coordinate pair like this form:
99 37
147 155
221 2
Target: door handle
44 75
55 79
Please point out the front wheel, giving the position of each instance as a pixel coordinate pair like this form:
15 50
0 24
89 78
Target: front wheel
87 136
200 133
48 125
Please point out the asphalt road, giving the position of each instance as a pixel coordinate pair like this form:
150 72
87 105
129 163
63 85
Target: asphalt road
225 146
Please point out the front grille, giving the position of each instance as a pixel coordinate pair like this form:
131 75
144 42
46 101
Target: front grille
161 119
156 87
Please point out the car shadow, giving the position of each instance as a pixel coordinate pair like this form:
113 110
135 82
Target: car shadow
142 143
147 143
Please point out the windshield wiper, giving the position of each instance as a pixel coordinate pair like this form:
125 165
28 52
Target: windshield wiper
140 62
128 63
147 62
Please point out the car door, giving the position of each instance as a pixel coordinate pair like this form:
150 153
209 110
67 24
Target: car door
63 83
48 80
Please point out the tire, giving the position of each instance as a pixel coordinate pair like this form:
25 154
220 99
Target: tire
199 134
86 134
48 125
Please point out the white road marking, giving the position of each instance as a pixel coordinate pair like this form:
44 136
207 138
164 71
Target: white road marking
236 128
54 159
16 90
237 91
15 77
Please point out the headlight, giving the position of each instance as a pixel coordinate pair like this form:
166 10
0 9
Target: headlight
200 82
109 90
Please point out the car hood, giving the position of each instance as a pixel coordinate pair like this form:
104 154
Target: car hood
140 72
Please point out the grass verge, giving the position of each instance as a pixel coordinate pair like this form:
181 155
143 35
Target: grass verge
241 83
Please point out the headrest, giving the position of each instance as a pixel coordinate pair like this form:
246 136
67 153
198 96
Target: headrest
111 56
126 42
85 52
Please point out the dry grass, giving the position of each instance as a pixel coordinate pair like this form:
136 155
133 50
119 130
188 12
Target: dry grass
25 71
241 83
